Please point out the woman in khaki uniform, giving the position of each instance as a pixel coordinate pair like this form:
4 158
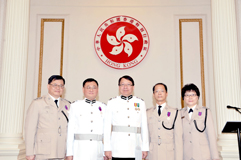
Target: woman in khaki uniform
199 137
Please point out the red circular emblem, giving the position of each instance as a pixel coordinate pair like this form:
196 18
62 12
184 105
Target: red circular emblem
121 42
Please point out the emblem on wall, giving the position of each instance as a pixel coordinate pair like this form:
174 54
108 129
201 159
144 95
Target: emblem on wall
121 42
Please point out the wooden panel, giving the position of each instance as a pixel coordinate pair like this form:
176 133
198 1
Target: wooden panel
191 55
51 51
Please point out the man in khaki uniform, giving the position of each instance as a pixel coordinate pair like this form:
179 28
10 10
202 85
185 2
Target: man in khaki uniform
46 123
165 128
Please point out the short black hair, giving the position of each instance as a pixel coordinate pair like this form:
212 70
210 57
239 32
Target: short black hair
153 89
55 77
128 78
90 80
190 87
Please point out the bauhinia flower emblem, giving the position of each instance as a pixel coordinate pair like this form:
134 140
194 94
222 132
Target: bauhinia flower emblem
121 41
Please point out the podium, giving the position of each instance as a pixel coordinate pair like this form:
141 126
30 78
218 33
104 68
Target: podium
234 127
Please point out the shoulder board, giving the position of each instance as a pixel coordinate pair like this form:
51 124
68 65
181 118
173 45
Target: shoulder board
38 98
73 101
67 101
112 98
148 109
140 98
205 107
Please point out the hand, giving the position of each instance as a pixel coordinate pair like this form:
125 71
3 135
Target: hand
144 154
108 154
69 157
30 157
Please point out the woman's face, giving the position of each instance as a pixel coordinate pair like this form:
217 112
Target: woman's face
190 98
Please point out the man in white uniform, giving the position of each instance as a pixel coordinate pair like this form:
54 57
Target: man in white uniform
85 130
126 134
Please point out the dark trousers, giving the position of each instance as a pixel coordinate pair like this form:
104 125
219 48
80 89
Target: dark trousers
113 158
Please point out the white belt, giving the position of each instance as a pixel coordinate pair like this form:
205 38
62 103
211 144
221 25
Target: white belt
94 137
126 129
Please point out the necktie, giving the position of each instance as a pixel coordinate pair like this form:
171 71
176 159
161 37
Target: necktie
190 110
56 102
159 110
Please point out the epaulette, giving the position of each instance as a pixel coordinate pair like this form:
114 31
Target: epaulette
140 98
148 109
73 101
112 98
38 98
67 101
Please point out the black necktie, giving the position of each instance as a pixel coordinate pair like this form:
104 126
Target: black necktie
190 110
159 110
56 102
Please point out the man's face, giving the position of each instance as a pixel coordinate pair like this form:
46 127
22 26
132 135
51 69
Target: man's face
56 88
126 87
90 90
160 94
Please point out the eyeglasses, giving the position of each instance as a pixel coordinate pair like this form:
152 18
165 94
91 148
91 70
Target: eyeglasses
89 88
56 86
128 85
190 95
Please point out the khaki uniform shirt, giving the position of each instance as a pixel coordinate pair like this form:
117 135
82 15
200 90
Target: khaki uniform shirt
199 145
165 143
46 128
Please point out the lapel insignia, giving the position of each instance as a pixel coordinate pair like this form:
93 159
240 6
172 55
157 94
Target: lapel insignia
199 113
182 117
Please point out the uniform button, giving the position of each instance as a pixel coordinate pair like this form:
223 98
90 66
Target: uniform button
90 139
91 130
159 128
91 112
128 125
59 118
159 120
129 134
91 104
127 101
190 132
158 136
91 121
128 117
190 141
127 108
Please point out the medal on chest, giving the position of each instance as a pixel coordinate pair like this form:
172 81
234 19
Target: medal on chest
168 115
137 106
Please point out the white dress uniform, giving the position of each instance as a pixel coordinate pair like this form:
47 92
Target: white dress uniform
126 132
85 130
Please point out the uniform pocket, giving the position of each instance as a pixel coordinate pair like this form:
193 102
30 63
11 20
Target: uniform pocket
42 145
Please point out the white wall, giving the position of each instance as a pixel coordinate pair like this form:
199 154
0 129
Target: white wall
162 63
